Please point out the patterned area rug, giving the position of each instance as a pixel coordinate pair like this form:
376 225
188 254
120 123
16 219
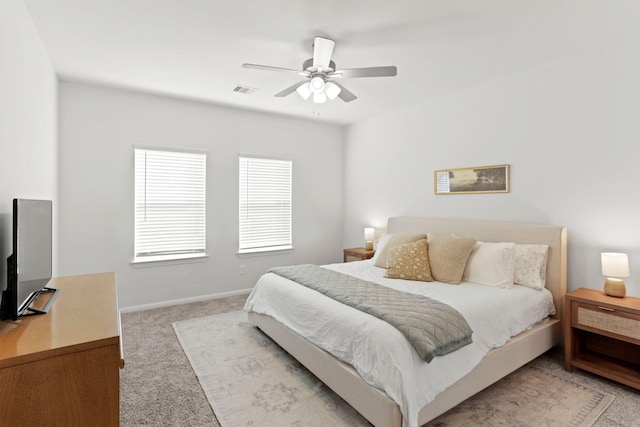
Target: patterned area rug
529 397
250 380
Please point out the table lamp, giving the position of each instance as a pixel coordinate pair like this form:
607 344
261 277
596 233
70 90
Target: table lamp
369 234
614 266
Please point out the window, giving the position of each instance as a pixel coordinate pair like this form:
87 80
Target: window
169 205
265 204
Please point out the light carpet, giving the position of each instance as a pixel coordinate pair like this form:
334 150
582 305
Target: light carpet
250 380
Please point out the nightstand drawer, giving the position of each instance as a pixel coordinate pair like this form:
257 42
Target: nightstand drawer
358 254
606 319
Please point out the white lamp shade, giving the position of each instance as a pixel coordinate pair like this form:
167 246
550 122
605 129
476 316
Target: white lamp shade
319 98
332 90
614 264
304 91
369 233
316 85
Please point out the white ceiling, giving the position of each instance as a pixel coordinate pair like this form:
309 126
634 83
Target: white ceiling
195 48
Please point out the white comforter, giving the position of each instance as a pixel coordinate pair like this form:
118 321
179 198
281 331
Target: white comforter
380 353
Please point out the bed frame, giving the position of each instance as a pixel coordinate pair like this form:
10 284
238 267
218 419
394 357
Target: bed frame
373 403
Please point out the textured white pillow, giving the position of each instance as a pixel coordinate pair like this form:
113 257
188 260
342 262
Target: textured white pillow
491 264
531 265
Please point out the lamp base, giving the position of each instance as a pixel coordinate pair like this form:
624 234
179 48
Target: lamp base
368 244
615 288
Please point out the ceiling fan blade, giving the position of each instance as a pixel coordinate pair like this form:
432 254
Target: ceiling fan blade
345 94
389 71
269 68
322 51
290 89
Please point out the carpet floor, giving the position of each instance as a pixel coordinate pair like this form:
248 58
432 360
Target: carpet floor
159 387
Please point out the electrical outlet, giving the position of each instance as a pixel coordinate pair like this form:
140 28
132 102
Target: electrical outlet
242 269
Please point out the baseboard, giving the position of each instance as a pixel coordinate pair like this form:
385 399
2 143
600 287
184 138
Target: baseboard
183 301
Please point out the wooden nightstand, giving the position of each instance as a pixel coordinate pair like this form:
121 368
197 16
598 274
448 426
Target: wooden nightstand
602 335
358 253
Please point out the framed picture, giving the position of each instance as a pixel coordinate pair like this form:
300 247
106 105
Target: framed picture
482 179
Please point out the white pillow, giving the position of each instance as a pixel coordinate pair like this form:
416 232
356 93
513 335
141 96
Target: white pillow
380 244
491 264
531 265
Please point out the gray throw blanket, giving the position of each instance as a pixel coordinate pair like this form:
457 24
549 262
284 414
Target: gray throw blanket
433 328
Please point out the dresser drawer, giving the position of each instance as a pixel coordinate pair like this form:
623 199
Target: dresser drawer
606 320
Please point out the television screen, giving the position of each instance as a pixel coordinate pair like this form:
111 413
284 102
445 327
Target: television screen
30 265
33 249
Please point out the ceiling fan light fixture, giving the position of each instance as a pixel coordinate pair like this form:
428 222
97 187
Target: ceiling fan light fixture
319 98
316 84
332 90
304 91
319 70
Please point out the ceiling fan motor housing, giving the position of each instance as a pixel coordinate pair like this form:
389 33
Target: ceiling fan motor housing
308 66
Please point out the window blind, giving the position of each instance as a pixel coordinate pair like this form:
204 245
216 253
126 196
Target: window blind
169 204
265 204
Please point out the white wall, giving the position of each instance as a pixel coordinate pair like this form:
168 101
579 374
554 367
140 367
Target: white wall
28 120
569 129
98 128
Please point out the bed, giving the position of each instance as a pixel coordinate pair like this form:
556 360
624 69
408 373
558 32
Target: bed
366 395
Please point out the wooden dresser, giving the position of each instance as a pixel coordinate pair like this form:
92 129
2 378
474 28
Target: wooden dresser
62 368
602 335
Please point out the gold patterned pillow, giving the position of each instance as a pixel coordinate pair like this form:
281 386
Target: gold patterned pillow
395 239
409 262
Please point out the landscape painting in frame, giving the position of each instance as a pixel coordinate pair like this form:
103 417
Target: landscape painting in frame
481 179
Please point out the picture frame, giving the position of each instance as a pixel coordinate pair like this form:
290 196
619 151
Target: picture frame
472 180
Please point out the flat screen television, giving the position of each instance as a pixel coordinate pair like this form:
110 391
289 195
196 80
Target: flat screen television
29 267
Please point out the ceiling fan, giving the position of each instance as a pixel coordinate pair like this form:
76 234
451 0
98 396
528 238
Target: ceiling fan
320 72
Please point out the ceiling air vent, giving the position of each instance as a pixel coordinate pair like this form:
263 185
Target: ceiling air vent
244 89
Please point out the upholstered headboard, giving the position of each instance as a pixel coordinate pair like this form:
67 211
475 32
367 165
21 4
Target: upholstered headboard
496 231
